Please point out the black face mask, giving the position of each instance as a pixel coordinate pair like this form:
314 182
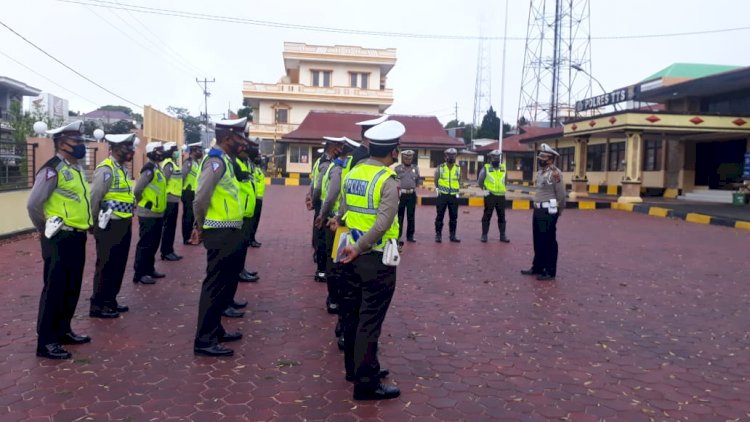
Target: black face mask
541 163
496 164
450 160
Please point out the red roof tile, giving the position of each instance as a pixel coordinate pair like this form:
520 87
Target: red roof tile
421 131
516 143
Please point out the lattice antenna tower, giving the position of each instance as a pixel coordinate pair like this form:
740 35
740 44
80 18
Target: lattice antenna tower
483 83
558 38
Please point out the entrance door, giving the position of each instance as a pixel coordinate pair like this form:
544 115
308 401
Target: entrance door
719 164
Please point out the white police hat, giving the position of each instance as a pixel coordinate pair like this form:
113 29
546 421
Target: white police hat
495 152
373 122
187 147
351 144
407 153
320 150
151 146
386 133
546 149
169 145
71 130
120 138
335 140
236 126
451 151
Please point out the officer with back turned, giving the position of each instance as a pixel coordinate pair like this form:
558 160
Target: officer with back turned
190 170
58 206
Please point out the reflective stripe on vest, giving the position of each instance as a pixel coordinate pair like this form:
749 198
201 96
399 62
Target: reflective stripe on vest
191 180
71 198
448 180
119 198
224 210
247 191
155 192
494 179
363 187
174 184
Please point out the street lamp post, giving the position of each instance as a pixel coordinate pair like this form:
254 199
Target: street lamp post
582 70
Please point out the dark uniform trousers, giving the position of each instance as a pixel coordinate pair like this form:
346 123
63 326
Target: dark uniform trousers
170 227
545 242
493 203
64 258
407 202
256 218
316 206
187 215
112 248
149 235
367 290
451 202
223 248
333 279
320 243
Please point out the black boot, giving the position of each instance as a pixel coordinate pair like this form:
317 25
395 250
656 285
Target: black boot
455 239
484 238
438 237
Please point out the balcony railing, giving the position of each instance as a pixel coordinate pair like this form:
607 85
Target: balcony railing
297 90
388 54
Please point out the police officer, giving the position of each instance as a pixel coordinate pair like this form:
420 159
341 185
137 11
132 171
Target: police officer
447 180
247 199
151 196
361 152
112 203
492 181
314 204
408 180
369 207
218 223
549 202
259 182
190 170
58 206
331 151
173 174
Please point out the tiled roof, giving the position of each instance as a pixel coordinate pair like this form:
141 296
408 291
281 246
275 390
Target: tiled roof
516 143
421 131
104 114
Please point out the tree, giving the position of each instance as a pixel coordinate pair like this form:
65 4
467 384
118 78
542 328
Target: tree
245 112
192 123
89 126
22 123
72 113
454 123
126 110
120 126
490 128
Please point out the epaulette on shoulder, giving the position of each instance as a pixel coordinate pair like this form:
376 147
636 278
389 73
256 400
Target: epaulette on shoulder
215 152
53 162
148 167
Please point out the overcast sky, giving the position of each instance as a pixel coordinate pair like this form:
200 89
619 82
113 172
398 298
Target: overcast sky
154 59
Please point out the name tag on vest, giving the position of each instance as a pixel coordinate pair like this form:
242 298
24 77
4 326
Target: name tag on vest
356 187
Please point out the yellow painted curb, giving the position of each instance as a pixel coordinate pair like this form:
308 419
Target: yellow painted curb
521 204
294 175
268 180
476 202
622 207
698 218
291 182
742 225
593 188
671 193
611 189
658 211
586 205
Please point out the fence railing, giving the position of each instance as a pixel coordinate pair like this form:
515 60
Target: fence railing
17 165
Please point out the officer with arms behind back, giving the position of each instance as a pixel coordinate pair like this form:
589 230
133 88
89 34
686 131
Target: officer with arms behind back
492 181
369 207
218 222
173 174
447 181
151 196
112 203
408 180
190 170
58 206
549 202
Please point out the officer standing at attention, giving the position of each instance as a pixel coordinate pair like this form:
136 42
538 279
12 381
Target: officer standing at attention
151 196
259 180
549 202
362 151
331 151
190 170
447 180
369 207
58 206
244 171
314 204
218 223
112 203
492 181
173 174
408 180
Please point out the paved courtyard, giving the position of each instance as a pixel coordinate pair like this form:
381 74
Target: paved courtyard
648 320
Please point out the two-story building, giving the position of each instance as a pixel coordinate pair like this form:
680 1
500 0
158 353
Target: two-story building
324 78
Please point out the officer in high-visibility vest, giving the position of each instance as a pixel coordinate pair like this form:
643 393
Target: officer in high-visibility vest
218 223
362 151
332 150
408 180
151 196
447 181
492 181
259 180
173 174
190 170
58 207
331 198
368 208
312 199
112 204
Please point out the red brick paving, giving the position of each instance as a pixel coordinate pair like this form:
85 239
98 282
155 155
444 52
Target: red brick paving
648 320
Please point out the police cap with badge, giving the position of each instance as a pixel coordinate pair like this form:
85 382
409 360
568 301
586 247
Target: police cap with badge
73 130
125 140
236 126
367 124
347 144
386 134
548 151
194 145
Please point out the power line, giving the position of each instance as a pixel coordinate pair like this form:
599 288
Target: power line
68 67
272 24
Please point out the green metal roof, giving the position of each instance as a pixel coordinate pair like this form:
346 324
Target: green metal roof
690 70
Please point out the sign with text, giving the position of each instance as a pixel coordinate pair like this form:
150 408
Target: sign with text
609 98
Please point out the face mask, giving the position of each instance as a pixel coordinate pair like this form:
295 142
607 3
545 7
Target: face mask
541 163
159 157
450 160
79 151
496 164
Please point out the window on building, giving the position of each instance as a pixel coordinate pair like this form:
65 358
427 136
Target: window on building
282 115
437 157
359 80
321 78
616 156
595 158
652 155
566 158
299 154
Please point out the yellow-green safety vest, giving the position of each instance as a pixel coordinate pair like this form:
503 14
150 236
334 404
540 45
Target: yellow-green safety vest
448 180
494 179
71 198
260 182
224 210
155 192
191 180
247 190
363 188
119 198
315 172
174 185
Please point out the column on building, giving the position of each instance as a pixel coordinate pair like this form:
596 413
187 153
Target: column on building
674 163
631 183
580 157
